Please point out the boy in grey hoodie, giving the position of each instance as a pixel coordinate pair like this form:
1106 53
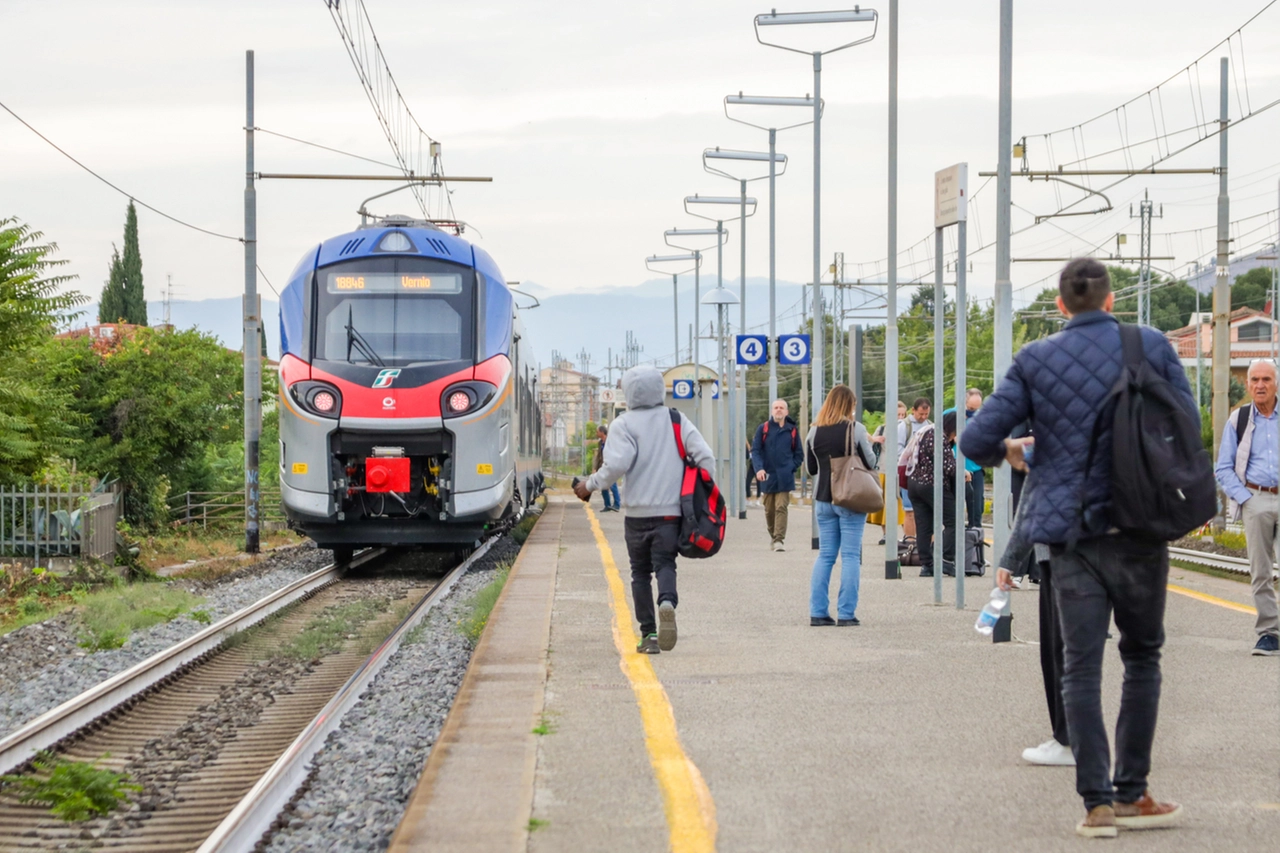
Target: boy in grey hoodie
642 446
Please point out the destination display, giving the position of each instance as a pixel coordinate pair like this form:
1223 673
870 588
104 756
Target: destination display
390 282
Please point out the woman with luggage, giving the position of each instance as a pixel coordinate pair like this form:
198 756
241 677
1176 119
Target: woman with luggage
920 487
836 434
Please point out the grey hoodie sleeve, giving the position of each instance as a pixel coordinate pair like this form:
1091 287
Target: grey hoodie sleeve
619 456
695 445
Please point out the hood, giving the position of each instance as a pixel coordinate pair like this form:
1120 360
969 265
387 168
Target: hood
643 387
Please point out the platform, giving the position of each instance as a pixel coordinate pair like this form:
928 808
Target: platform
760 733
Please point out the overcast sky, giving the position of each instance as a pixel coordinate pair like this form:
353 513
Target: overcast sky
591 118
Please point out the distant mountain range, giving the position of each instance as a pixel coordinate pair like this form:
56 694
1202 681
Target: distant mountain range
564 322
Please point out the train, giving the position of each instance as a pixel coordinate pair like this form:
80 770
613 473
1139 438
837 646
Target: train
408 397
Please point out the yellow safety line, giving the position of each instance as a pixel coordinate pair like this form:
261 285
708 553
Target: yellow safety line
691 813
1212 599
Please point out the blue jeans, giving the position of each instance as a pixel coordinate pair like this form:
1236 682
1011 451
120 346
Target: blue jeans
839 532
617 502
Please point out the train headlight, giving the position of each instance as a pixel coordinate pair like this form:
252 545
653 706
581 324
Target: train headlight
459 402
465 397
317 398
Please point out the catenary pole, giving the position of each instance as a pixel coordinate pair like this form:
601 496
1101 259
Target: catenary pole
252 317
773 270
675 304
939 403
818 323
1001 506
1222 284
695 343
740 416
962 313
889 460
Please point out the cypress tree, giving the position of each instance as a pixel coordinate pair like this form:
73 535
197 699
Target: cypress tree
135 300
111 307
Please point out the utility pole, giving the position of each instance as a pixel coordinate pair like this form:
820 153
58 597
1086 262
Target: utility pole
1146 209
252 317
1001 517
891 569
1222 285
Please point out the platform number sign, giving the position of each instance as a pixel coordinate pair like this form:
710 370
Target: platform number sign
753 349
682 389
715 390
793 349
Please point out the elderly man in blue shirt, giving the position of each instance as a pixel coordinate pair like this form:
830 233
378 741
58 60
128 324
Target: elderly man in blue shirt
1248 472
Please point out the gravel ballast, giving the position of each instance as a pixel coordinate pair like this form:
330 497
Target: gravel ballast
362 779
42 665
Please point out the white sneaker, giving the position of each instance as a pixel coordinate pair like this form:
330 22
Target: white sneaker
777 546
1050 754
1018 582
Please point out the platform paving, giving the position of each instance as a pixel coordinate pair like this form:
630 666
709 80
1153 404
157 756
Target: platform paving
902 734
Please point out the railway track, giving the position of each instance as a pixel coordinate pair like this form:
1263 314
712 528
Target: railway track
219 733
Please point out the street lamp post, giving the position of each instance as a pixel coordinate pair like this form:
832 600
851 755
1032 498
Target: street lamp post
773 159
776 19
722 298
675 288
684 235
737 501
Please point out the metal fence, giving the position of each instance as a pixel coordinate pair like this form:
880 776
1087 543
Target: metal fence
220 509
46 521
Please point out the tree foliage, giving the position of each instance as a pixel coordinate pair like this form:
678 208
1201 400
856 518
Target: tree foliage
35 416
1252 289
123 298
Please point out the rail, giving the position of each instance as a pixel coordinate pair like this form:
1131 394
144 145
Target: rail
258 810
1214 561
81 711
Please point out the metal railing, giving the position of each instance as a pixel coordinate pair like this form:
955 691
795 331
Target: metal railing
48 521
220 509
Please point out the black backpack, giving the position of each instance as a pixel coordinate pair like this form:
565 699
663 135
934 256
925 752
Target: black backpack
1162 484
702 507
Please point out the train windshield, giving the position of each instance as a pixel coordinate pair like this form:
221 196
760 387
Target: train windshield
395 311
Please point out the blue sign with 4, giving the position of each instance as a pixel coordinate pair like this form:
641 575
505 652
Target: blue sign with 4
753 349
793 349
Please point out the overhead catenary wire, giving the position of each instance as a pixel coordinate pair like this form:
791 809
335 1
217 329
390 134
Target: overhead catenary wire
113 186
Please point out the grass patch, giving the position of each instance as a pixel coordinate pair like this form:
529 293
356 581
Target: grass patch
1228 539
109 616
72 790
331 627
480 605
377 630
521 531
172 548
545 726
535 824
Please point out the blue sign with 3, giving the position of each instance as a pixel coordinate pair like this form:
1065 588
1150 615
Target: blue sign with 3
793 349
753 349
682 389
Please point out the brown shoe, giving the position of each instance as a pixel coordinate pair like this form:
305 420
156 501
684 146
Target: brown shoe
1100 822
1146 813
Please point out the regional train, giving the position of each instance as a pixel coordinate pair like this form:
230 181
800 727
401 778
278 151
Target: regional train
409 410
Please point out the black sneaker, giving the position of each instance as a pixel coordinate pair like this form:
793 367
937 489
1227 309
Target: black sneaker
648 645
1268 644
926 573
666 626
845 623
820 621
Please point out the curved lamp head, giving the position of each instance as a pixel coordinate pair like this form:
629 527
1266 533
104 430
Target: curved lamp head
856 15
741 100
696 240
719 160
721 208
650 262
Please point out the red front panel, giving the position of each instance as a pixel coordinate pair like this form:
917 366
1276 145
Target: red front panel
386 474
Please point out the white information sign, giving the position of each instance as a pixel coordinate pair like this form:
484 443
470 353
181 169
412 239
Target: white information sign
682 389
950 195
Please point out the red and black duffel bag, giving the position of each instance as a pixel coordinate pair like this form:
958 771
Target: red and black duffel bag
702 507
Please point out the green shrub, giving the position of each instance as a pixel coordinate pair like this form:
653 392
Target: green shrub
481 605
73 790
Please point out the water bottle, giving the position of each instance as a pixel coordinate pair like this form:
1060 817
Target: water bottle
992 611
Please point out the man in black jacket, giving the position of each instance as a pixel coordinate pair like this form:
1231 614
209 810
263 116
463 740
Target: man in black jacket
1063 385
776 453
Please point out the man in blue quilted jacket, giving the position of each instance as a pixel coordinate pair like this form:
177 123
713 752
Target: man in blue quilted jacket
1062 384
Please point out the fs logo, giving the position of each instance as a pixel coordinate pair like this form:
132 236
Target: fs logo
386 377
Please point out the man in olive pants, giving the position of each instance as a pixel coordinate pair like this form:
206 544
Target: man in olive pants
776 453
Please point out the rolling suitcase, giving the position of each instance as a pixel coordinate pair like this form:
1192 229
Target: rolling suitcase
975 552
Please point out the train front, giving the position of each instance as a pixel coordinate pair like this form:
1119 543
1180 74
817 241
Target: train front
396 390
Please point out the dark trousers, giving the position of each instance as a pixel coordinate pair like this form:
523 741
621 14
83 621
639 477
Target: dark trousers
751 479
922 499
651 545
1051 656
975 498
1098 576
